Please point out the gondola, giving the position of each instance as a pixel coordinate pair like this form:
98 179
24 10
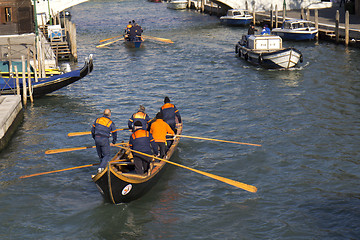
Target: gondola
119 184
49 84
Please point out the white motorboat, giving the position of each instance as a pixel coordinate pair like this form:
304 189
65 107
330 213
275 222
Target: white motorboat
296 29
267 51
237 17
177 4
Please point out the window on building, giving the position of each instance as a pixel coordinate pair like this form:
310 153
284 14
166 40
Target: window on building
8 14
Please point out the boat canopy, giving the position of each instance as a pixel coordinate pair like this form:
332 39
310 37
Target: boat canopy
297 24
237 12
264 42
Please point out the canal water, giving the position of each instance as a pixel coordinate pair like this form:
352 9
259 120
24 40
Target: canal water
306 119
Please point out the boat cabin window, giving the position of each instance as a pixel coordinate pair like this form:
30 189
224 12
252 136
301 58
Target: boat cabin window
237 13
309 24
295 25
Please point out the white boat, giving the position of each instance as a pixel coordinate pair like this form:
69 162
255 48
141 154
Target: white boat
236 17
177 4
296 29
267 51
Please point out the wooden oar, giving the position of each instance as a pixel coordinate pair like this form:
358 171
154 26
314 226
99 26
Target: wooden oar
72 134
67 169
217 140
158 39
61 150
60 170
104 40
234 183
108 43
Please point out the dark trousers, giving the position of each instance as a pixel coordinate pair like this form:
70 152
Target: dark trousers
103 150
162 147
142 163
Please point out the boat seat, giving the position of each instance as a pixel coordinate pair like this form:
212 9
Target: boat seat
125 163
134 175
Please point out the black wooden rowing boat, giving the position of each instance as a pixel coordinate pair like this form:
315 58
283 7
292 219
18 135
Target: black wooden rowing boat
118 184
49 84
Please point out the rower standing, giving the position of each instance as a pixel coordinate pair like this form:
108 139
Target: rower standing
141 116
142 141
169 113
159 130
101 130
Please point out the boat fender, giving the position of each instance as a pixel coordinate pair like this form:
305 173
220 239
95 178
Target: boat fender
236 49
301 58
260 59
246 57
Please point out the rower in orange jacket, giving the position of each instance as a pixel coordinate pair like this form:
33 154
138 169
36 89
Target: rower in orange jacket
159 129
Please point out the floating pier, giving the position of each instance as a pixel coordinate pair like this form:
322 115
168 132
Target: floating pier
11 115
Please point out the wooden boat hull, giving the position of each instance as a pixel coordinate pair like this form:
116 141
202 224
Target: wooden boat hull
278 59
49 84
117 186
136 43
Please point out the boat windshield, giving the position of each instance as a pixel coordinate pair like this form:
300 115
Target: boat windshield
302 25
237 13
286 25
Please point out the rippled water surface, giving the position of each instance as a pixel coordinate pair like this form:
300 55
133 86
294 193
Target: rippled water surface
307 120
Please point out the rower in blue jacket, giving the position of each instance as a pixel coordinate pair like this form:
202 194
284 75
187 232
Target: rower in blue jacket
141 116
169 112
142 141
101 130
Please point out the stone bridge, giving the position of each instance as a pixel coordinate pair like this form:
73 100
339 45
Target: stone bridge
264 5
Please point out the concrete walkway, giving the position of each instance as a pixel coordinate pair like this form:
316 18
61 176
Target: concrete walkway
327 16
11 115
326 22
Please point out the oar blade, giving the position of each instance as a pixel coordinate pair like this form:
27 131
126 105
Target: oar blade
217 140
106 44
104 40
62 150
158 39
60 170
234 183
73 134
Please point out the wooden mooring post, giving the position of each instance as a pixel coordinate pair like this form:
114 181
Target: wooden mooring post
337 19
347 23
284 10
254 14
9 57
271 17
316 14
276 16
29 75
23 80
308 14
17 81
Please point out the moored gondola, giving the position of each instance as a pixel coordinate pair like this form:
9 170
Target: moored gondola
119 184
